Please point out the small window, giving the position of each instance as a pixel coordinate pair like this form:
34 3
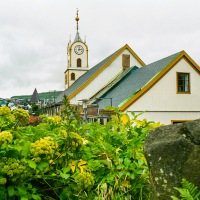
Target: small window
79 62
72 76
179 121
66 79
101 121
183 82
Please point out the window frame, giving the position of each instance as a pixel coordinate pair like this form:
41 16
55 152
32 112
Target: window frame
79 62
175 121
177 83
73 76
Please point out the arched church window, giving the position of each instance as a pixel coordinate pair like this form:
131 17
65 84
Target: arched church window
79 62
72 76
65 78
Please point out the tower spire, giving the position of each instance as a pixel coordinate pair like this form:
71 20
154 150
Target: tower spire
77 38
77 19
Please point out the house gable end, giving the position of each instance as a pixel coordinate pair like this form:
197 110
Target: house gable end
182 55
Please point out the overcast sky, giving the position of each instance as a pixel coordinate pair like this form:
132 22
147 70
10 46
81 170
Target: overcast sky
34 36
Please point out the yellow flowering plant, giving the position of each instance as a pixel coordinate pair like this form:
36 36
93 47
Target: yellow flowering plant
7 119
21 116
62 158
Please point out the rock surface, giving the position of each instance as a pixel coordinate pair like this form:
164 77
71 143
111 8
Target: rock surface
173 153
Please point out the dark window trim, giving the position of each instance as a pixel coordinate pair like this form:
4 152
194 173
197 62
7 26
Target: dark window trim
178 85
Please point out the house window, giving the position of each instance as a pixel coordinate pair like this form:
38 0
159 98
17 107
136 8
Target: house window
72 76
183 82
79 62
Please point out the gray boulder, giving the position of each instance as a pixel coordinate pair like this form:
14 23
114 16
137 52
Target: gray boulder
173 153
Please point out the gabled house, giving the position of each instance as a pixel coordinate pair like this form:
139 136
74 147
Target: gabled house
168 90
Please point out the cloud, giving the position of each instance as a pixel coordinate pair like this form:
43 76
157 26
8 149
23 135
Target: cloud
34 36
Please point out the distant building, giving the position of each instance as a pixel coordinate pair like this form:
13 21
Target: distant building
35 97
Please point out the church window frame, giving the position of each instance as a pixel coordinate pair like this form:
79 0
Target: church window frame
79 62
73 76
65 78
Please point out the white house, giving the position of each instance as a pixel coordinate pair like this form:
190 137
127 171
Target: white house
168 90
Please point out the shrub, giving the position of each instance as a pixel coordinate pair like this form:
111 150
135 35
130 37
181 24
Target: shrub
61 158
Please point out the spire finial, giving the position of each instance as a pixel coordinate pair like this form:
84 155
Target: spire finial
77 19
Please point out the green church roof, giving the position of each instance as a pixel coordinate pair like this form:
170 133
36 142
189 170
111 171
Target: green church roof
133 82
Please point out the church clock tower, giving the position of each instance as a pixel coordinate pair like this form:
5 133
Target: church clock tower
77 58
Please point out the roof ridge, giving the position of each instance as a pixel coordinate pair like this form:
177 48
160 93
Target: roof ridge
173 55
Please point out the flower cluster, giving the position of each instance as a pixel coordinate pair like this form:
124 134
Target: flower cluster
54 119
4 111
84 180
3 181
21 115
76 141
14 168
44 146
63 133
5 137
7 119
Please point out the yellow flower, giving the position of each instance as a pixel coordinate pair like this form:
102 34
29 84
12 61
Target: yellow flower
125 119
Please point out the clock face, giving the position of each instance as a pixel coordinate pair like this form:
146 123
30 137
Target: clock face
78 49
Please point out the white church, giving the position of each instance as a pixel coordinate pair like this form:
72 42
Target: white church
168 90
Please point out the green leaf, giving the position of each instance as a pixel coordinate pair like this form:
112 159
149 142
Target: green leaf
120 167
65 176
174 198
11 191
2 192
36 197
42 165
66 169
110 177
132 176
12 154
127 162
24 198
32 164
22 190
26 149
29 186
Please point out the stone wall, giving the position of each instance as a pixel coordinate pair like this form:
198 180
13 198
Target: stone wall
173 153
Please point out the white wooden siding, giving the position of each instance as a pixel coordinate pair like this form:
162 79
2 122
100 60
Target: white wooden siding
163 97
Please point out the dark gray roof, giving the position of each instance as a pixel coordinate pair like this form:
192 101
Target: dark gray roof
82 79
133 82
35 97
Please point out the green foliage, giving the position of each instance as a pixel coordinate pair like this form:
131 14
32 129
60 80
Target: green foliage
35 107
188 191
62 158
